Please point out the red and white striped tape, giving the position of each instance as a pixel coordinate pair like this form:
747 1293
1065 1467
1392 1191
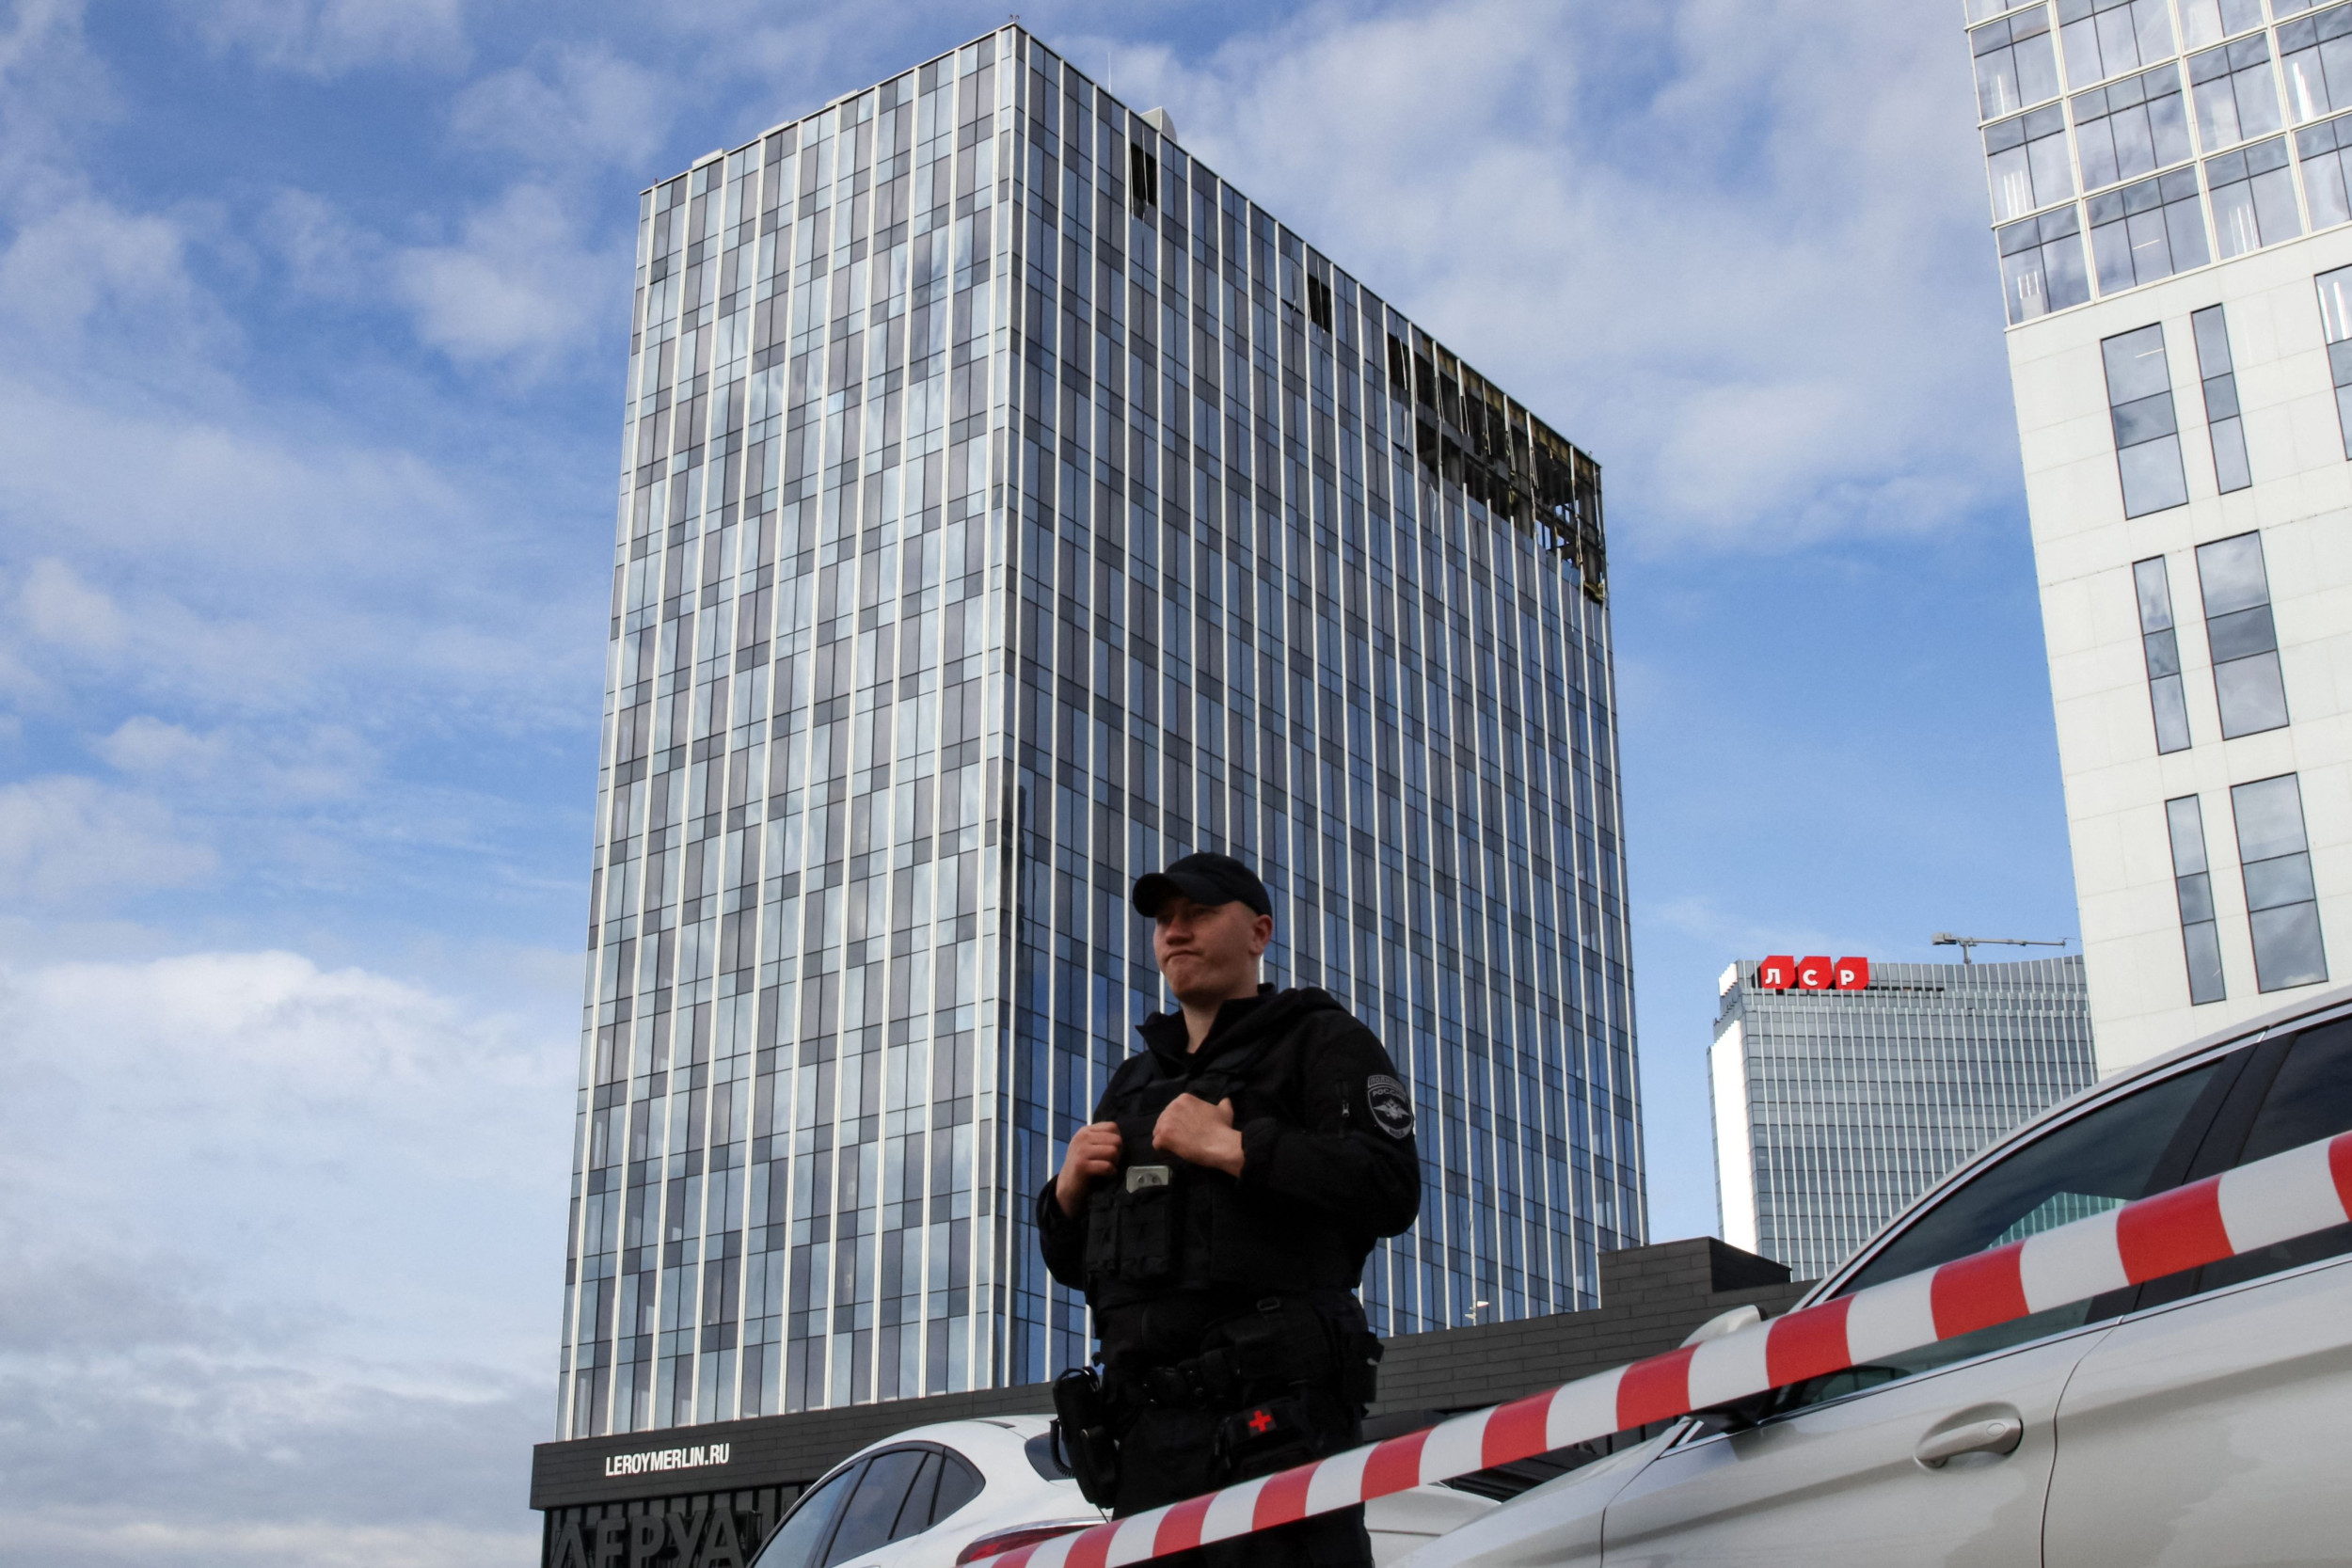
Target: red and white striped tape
2276 1199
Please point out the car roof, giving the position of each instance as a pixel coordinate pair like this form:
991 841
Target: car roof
976 1436
971 1429
2313 1010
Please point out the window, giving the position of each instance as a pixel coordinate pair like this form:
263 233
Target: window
2205 21
2101 1159
2235 100
875 1507
2316 52
2335 319
2146 231
2253 197
1042 1457
2223 424
2326 154
800 1541
2160 646
2015 65
2281 905
2026 157
1985 10
2192 885
2240 637
1319 302
2104 37
2310 1099
2132 128
2288 7
1143 178
914 1515
958 1483
2147 436
2042 265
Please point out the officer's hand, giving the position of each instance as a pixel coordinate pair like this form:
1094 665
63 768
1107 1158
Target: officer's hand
1094 1153
1192 1129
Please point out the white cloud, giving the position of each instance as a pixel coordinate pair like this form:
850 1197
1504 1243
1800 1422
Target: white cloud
339 589
277 763
521 290
70 842
83 265
315 1328
570 105
328 37
325 254
96 1536
58 607
1736 250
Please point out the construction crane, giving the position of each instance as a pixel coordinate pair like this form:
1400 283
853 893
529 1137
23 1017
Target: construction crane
1946 939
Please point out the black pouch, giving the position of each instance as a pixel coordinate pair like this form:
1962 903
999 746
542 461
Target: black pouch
1082 1435
1360 1368
1268 1436
1145 1201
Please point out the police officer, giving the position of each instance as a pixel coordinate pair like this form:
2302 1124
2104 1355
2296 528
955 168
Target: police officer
1217 1212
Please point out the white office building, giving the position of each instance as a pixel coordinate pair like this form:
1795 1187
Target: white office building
2169 205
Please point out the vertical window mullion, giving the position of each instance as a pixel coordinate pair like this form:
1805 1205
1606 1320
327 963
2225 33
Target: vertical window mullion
2160 647
2147 430
2224 427
2192 885
2335 318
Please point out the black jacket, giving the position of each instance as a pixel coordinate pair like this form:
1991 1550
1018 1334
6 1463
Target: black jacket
1328 1163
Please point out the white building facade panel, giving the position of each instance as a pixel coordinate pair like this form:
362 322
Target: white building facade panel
2180 938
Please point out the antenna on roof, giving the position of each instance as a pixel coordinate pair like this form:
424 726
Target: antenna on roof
1946 939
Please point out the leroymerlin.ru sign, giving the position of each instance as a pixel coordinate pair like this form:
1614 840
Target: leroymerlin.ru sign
649 1460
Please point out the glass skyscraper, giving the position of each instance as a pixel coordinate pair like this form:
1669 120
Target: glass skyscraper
1836 1108
1009 505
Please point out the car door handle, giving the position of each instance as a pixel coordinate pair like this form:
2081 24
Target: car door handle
1992 1435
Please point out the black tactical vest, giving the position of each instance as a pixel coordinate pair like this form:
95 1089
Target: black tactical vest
1161 1225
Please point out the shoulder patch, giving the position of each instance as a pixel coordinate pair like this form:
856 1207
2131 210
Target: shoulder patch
1389 1106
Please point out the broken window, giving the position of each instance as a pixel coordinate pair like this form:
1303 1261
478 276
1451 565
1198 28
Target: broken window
1143 183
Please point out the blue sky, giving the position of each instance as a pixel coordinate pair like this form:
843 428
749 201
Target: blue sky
312 322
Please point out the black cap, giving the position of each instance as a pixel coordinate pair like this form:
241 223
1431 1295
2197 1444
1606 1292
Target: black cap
1206 877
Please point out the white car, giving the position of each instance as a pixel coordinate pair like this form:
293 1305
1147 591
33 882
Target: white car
938 1496
2198 1420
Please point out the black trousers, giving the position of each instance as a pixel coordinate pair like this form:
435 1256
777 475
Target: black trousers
1165 1456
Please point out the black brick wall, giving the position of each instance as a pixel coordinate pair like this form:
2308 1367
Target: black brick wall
1651 1298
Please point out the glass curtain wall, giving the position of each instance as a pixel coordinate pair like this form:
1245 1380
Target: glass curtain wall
994 524
790 1086
2159 179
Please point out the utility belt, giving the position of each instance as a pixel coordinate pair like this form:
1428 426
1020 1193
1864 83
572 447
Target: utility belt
1286 1380
1279 1344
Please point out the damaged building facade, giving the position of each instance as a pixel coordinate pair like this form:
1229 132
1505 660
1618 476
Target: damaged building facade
1009 506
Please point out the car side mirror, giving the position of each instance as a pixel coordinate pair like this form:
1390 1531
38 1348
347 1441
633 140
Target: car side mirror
1736 1417
1741 1414
1726 1322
